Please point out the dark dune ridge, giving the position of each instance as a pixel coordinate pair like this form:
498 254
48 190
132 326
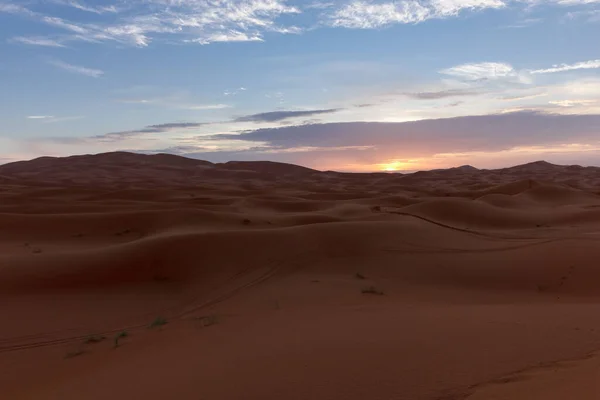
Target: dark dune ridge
275 281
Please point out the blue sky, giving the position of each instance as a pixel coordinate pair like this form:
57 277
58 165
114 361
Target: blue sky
346 85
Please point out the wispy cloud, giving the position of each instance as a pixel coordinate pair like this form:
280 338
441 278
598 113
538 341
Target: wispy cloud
176 125
64 119
230 36
76 69
37 41
39 116
522 97
150 129
369 15
84 7
138 23
174 101
52 119
234 92
574 103
592 64
479 71
15 9
441 94
202 107
274 116
524 23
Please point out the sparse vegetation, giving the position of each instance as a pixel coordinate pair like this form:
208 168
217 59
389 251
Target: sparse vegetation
246 222
94 339
74 353
119 336
358 275
208 320
158 322
372 290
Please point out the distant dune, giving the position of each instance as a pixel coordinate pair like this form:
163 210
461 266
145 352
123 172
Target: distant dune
129 276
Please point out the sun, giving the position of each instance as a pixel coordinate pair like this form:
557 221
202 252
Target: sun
395 166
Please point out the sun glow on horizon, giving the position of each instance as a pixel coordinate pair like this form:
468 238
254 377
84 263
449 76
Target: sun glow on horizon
397 165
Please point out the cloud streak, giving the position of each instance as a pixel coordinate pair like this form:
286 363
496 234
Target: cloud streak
592 64
481 71
139 23
369 15
37 41
442 94
275 116
76 69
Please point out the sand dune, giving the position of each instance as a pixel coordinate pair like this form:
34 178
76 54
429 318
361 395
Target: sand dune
281 282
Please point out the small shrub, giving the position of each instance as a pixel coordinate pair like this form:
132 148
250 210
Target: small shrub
94 339
158 322
37 251
358 275
74 353
120 335
372 290
208 320
543 288
246 222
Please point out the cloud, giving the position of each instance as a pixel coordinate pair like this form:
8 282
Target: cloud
37 41
231 36
522 97
481 71
586 15
53 119
60 23
200 107
76 69
275 116
15 9
138 23
178 100
592 64
368 15
84 7
573 103
234 92
524 23
175 125
136 101
64 119
442 94
158 128
487 132
364 105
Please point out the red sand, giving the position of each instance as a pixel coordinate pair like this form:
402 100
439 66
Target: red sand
490 281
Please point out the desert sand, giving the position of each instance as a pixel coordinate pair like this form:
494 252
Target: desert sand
259 280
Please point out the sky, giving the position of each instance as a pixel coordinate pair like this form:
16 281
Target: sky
348 85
